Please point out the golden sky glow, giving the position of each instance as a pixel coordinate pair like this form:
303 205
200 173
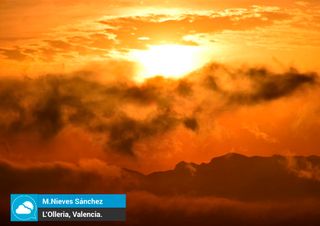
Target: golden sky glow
190 78
37 36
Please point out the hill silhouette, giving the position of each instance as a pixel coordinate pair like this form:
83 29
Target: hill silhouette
240 177
232 189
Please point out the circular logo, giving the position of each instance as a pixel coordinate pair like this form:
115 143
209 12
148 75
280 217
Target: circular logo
24 208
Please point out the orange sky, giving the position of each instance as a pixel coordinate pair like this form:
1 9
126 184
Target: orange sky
107 41
39 35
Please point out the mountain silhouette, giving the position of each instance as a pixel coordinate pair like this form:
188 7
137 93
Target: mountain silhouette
232 190
240 177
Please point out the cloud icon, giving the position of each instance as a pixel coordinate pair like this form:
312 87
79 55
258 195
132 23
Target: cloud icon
28 204
25 208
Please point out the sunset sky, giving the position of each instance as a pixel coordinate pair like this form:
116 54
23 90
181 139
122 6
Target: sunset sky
146 84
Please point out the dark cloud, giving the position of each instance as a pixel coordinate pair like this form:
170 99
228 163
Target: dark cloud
184 88
210 83
191 123
268 86
142 95
45 106
254 85
125 132
47 114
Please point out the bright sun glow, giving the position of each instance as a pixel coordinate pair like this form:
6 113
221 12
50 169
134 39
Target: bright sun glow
169 61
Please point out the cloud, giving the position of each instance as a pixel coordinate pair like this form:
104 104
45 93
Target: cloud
305 167
123 33
43 107
268 86
89 175
84 103
14 54
191 123
124 132
255 85
23 210
128 30
255 130
28 204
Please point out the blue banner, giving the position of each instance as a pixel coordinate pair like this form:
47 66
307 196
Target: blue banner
68 207
82 201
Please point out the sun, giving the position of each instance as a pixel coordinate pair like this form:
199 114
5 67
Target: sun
167 60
